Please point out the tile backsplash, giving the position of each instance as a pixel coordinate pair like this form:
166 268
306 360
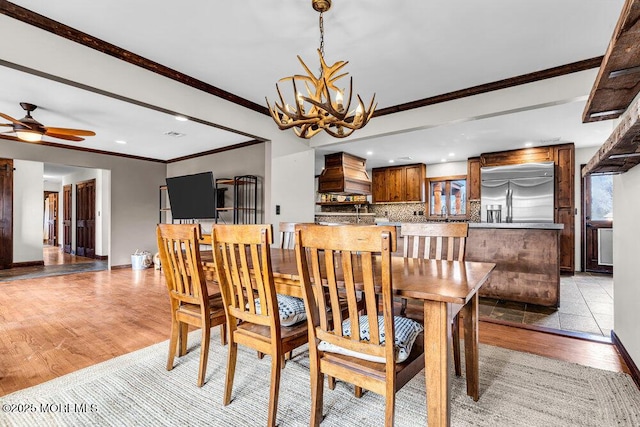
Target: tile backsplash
399 212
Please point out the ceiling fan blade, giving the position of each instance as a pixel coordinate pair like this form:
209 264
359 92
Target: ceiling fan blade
11 119
6 124
67 137
65 131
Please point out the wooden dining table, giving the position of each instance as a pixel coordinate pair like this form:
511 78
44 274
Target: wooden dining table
444 288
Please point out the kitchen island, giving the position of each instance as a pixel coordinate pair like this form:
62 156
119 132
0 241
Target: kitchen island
527 260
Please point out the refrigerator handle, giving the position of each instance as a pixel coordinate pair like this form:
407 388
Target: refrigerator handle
509 205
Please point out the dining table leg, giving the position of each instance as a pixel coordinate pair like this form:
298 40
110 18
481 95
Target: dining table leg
470 321
436 361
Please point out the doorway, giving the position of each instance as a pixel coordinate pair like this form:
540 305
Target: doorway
50 237
6 213
86 218
66 218
597 224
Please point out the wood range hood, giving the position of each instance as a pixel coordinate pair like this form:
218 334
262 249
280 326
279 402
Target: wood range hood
344 173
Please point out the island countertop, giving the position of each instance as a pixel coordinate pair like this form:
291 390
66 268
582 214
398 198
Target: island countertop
528 225
506 225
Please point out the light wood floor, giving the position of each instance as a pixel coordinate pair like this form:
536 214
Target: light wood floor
56 325
54 255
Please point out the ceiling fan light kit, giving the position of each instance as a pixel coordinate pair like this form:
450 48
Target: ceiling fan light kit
323 108
29 129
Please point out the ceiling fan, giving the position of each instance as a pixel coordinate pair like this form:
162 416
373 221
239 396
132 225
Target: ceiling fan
30 130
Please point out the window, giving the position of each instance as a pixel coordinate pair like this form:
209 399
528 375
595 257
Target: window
447 196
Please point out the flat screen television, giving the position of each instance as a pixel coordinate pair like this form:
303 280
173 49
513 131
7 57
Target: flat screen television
192 196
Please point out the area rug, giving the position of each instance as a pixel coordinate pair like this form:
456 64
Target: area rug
516 389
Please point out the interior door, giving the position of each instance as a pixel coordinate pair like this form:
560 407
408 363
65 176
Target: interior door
66 218
6 213
85 218
52 219
597 193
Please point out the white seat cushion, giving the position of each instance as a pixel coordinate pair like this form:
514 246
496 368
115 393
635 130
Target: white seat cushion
291 309
406 332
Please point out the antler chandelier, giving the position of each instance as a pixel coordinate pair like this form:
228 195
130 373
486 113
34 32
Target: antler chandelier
323 108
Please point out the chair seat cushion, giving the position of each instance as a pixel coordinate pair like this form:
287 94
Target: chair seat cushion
406 331
291 309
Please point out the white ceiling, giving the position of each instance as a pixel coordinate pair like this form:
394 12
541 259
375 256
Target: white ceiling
402 51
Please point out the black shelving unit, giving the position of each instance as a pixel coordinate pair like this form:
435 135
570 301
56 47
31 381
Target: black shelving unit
245 198
163 202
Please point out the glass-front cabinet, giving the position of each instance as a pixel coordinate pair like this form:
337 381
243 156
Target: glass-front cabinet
447 197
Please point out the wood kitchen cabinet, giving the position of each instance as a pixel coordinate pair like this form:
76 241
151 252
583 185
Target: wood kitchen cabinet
514 157
564 160
473 180
398 183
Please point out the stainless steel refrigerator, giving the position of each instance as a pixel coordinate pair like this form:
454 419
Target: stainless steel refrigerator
525 192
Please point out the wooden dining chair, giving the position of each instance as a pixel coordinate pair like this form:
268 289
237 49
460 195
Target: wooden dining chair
193 301
287 235
254 312
387 350
439 241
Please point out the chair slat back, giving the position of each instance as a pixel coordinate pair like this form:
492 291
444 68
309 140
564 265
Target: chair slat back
445 241
243 267
179 249
287 235
347 260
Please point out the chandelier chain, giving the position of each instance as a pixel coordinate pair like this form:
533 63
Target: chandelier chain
321 24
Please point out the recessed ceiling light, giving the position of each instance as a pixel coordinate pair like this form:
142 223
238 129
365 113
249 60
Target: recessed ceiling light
119 141
369 153
452 154
182 119
391 161
443 160
528 144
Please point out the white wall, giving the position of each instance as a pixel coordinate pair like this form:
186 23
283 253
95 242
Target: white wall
446 169
52 186
626 247
28 211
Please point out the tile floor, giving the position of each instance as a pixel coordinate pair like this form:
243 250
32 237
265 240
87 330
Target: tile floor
586 306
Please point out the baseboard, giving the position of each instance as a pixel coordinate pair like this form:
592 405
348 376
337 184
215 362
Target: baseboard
101 257
27 264
633 369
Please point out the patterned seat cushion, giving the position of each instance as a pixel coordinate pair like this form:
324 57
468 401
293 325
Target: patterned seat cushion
291 309
406 332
